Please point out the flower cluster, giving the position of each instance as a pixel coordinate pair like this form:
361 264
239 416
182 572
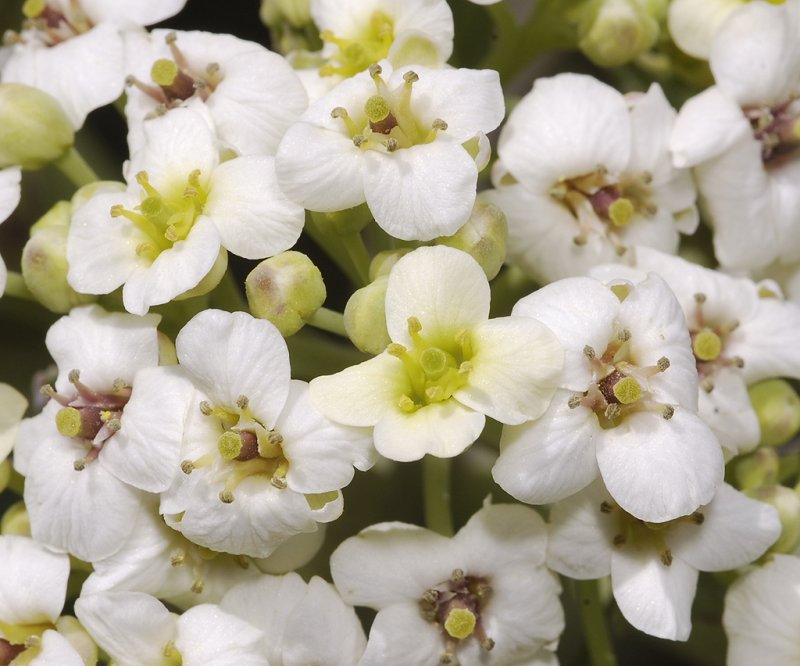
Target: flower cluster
573 312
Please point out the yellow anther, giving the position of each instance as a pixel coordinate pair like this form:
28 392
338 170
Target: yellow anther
377 108
627 390
395 349
391 145
164 72
414 326
410 77
460 623
439 124
375 70
406 405
707 345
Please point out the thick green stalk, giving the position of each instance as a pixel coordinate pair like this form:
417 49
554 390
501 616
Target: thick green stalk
595 628
15 286
436 484
328 320
74 167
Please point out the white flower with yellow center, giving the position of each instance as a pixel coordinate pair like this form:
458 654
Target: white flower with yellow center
405 141
741 334
654 566
359 33
136 629
9 199
626 409
81 472
762 614
259 463
33 589
73 49
303 623
481 597
742 134
167 235
585 173
249 94
448 366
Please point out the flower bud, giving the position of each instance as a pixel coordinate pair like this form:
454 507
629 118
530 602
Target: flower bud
5 474
287 290
483 237
73 631
758 469
295 12
365 317
382 262
787 502
44 266
34 130
15 520
290 25
778 408
614 32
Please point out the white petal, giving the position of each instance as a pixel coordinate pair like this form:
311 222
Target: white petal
580 311
208 635
728 411
652 118
9 191
390 563
421 192
517 365
131 627
735 531
551 458
321 454
253 217
441 429
145 453
444 288
654 598
234 354
33 586
658 469
566 126
401 636
142 12
693 24
57 651
12 408
361 394
320 168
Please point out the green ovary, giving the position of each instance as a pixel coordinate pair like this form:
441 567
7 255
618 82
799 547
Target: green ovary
164 218
434 373
355 55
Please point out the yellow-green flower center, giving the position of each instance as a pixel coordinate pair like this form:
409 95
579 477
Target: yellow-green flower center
164 218
434 372
707 345
369 46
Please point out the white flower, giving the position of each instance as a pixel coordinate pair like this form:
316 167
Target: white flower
136 629
260 463
303 623
73 49
395 139
168 234
249 94
358 33
448 366
9 199
584 173
75 455
627 407
762 615
654 567
692 25
481 597
33 589
741 135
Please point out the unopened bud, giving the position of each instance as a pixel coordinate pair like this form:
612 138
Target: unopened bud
34 130
295 12
614 32
167 354
5 474
15 520
787 502
757 470
287 290
69 627
383 262
483 237
365 317
778 408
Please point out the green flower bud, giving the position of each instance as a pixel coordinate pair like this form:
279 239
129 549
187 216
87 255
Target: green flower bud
167 354
787 502
15 520
286 290
483 237
34 130
778 408
44 264
365 317
5 474
758 469
614 32
382 262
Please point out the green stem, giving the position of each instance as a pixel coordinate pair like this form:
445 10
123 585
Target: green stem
332 245
359 256
436 484
593 617
15 286
328 320
74 167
